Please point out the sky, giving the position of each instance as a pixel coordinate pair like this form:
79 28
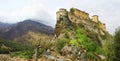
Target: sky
12 11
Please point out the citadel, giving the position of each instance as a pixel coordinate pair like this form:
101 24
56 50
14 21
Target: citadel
77 16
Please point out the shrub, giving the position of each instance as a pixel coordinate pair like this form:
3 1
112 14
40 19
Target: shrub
72 10
61 43
73 42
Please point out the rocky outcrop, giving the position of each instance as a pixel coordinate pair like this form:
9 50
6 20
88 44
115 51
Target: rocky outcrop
75 18
63 22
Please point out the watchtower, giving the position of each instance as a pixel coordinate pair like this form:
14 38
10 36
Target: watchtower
95 18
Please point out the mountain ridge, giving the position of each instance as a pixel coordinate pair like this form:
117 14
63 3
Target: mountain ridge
20 28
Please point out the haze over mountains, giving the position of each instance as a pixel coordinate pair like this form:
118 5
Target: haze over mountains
2 25
12 31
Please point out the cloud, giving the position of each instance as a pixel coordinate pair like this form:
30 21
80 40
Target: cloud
107 10
34 11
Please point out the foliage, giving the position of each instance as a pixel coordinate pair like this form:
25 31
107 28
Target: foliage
96 26
61 43
87 43
23 54
72 10
93 35
117 44
4 51
26 53
40 51
73 42
13 46
16 49
108 49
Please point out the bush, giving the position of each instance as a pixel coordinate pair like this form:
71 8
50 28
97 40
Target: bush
4 51
73 42
61 43
72 10
23 54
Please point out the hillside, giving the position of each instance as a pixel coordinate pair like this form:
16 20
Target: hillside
17 30
20 39
3 25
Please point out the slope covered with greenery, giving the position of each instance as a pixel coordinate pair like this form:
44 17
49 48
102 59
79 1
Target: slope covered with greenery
16 49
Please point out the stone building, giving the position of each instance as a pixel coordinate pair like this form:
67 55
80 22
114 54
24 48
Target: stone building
80 14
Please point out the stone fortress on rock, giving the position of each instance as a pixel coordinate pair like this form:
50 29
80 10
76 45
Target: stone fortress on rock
76 16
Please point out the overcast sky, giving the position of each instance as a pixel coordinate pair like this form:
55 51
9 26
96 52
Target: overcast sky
12 11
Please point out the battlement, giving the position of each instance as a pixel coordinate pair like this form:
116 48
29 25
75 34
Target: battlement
80 14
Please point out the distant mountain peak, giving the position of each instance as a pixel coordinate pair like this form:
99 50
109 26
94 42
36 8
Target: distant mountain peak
21 28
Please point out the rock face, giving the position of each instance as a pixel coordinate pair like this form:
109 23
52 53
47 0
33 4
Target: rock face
62 21
69 20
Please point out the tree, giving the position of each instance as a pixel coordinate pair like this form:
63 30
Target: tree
117 44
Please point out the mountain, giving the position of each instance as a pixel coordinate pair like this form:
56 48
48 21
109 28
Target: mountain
3 25
19 29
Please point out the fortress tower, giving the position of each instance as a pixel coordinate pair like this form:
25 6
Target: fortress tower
60 13
95 18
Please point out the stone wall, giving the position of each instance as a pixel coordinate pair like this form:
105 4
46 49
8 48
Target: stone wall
80 14
73 18
60 13
88 24
95 18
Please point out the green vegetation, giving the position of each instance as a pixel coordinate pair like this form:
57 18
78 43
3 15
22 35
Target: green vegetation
108 47
10 46
117 44
96 26
23 54
81 39
72 10
61 43
73 42
88 44
16 49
